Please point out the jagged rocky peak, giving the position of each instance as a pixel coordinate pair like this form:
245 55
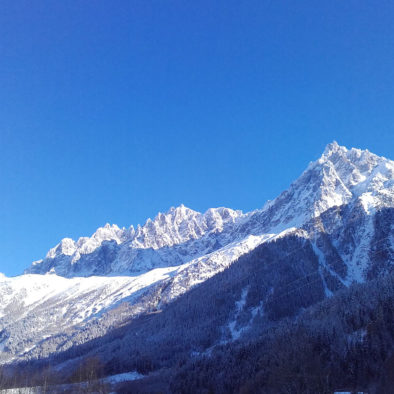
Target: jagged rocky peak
109 232
181 224
66 246
84 245
332 148
354 166
178 226
351 171
361 175
339 176
175 226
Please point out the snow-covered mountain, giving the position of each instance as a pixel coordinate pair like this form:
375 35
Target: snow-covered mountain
340 211
339 177
172 238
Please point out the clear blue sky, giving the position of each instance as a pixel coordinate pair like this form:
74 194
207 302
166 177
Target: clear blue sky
113 111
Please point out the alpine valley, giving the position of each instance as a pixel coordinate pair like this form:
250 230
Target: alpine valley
295 297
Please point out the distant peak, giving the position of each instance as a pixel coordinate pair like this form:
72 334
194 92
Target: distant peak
173 212
107 228
67 242
333 147
180 208
111 226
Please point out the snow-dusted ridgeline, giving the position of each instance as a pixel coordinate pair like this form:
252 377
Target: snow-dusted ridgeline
335 202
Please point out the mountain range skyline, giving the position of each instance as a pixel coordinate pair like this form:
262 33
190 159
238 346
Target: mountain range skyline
111 232
197 197
330 231
112 229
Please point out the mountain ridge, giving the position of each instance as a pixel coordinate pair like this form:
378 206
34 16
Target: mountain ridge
338 177
329 221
